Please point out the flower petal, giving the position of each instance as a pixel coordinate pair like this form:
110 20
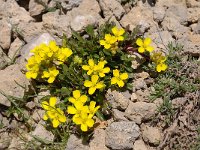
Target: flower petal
114 80
71 99
83 98
52 101
141 49
62 118
91 62
124 76
116 73
84 127
45 117
115 31
76 94
139 42
102 42
71 110
85 67
88 83
77 120
149 48
92 105
106 70
90 122
45 105
94 79
120 83
147 42
100 85
55 123
91 90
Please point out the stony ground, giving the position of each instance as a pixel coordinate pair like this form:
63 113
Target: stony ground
26 23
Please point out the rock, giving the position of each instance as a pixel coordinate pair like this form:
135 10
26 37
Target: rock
30 30
30 105
118 115
138 17
98 140
86 14
140 111
179 101
138 60
139 84
191 45
139 145
36 8
158 14
134 97
197 27
15 48
66 4
178 12
193 15
193 3
143 95
151 135
3 59
13 13
38 115
161 3
5 33
42 133
126 94
5 140
17 143
75 143
142 74
9 80
173 25
117 100
56 24
111 7
113 19
121 135
43 38
160 39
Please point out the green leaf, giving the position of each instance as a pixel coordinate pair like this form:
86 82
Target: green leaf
65 91
90 30
100 115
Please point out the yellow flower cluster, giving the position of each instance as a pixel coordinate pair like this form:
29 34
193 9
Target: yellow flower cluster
159 60
82 114
111 41
56 115
45 59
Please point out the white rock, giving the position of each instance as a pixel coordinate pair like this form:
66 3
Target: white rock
151 135
43 38
111 7
36 8
140 111
5 34
98 140
9 78
15 48
139 145
138 17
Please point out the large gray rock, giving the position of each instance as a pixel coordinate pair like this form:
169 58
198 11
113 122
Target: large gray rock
121 135
111 7
75 143
10 77
117 99
43 38
13 13
98 140
36 8
140 111
5 34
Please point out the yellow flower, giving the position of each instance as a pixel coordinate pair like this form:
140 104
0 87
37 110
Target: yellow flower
144 45
101 70
161 67
77 109
92 109
85 121
118 33
109 40
118 78
51 74
93 84
78 97
63 54
56 115
91 67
